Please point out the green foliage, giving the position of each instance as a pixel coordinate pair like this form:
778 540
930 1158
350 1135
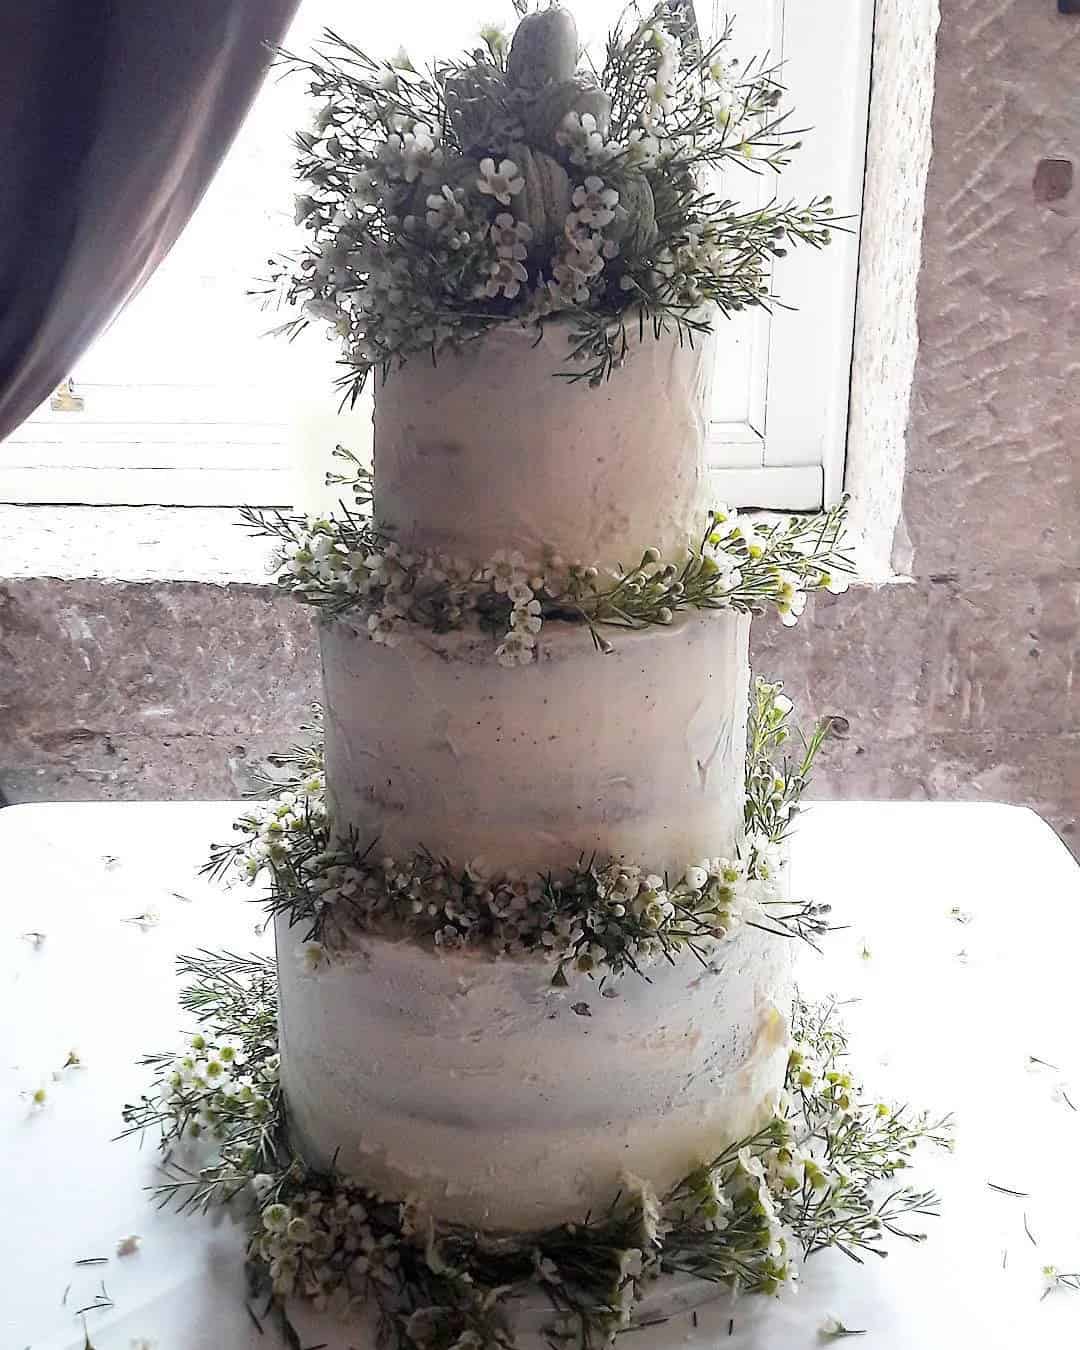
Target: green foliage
405 257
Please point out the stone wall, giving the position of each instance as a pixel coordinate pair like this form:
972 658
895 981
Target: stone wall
957 684
962 684
146 690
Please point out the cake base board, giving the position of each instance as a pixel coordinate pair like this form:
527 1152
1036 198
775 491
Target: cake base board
665 1318
667 1298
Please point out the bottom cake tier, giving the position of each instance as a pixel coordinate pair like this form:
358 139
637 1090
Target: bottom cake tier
499 1100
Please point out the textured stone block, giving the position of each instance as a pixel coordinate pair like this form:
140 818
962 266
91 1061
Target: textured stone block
146 690
993 476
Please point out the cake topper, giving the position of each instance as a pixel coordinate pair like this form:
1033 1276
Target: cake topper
522 183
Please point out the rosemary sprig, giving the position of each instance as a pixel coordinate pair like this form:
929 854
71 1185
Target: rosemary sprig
225 1088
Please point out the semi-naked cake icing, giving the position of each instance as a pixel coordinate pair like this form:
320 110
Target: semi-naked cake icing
500 1101
490 446
637 754
469 1080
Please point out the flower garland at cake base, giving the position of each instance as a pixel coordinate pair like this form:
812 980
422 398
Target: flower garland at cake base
821 1173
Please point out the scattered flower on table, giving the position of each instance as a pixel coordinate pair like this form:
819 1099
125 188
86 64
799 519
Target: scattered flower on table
1055 1279
149 918
833 1329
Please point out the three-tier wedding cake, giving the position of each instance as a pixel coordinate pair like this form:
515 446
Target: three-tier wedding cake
469 1080
532 1020
453 1070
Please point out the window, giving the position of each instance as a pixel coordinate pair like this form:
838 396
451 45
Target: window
780 401
186 401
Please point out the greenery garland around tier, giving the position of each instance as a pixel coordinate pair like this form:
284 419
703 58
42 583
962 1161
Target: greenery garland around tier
601 918
738 563
522 182
825 1171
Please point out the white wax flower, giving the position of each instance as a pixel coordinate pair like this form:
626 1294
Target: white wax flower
503 182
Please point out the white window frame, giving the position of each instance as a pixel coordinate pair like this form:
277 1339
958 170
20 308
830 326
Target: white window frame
151 444
786 447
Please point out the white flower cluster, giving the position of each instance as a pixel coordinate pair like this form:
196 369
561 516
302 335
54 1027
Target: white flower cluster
583 250
751 1189
319 1246
377 299
369 299
411 179
508 272
734 540
326 563
683 268
510 575
212 1087
275 825
598 920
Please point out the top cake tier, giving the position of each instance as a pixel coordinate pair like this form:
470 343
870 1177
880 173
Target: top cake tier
489 449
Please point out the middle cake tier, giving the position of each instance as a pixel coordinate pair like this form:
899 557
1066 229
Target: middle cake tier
635 754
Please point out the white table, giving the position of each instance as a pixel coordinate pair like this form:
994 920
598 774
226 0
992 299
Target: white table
946 1014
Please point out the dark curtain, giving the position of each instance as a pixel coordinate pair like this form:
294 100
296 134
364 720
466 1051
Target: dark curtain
114 115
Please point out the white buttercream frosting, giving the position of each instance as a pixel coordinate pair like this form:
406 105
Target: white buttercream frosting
636 754
489 449
503 1102
470 1081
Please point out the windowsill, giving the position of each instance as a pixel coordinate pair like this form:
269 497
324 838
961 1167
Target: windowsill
130 543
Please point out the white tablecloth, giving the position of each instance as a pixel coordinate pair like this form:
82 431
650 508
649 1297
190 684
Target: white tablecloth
946 1010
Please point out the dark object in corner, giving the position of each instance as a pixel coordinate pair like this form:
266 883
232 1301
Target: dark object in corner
1053 177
